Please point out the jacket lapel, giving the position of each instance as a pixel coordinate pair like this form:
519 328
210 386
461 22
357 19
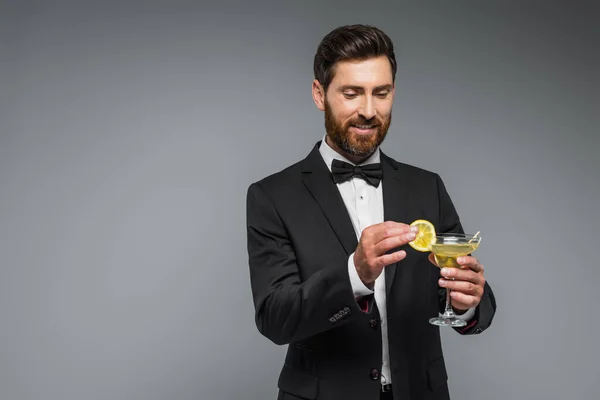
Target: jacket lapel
395 203
318 180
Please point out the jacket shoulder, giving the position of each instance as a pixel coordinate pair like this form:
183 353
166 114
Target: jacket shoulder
279 180
408 170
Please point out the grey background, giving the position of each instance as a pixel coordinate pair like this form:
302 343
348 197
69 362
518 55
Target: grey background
129 133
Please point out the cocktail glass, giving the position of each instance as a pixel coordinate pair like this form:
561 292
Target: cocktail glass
446 249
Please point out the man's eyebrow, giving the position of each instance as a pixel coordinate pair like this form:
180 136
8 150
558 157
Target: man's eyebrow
384 87
361 89
352 87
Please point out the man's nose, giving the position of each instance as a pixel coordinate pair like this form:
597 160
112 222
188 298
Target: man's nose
367 109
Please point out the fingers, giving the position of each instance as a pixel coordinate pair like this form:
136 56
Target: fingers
467 288
463 275
394 241
463 301
369 266
432 259
471 263
467 283
393 258
371 254
379 232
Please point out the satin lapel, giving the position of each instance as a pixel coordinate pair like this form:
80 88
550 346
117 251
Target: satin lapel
395 202
317 179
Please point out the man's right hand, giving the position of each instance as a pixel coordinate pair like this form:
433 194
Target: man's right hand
376 240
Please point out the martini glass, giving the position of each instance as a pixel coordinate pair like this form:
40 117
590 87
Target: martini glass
446 249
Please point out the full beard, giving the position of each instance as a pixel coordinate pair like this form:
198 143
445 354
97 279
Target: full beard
355 144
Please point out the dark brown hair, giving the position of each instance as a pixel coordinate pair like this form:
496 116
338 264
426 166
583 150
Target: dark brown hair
351 42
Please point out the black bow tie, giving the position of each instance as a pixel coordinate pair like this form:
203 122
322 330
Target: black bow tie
342 171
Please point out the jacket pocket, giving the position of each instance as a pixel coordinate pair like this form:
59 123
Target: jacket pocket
436 374
299 383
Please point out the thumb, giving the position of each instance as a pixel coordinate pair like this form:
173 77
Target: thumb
432 259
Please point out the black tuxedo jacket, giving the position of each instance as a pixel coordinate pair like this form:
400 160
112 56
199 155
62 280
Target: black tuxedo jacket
299 239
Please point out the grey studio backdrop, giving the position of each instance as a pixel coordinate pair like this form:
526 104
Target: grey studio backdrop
131 131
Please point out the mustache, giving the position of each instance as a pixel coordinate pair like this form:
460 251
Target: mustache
364 121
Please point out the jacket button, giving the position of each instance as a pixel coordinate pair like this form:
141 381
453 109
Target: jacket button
373 323
374 374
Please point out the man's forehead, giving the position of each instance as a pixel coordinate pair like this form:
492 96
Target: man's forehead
376 71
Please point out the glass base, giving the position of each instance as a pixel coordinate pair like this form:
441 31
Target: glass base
448 321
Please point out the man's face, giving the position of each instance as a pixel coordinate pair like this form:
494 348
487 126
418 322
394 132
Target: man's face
358 106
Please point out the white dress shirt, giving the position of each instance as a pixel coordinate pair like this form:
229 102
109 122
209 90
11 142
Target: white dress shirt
364 203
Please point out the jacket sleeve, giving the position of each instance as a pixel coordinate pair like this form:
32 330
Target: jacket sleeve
450 222
287 307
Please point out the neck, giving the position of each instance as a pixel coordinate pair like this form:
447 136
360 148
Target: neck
352 157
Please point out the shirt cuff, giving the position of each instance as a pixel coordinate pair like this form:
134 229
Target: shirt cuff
358 287
469 314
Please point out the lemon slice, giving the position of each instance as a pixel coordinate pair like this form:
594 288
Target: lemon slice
425 237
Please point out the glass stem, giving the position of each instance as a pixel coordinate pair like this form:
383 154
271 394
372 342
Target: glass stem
448 311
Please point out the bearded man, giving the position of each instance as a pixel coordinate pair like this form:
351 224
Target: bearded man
332 273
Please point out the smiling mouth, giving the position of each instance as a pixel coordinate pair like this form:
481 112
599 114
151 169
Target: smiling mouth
364 126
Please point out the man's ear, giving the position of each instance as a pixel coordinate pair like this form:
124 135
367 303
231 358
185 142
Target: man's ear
318 95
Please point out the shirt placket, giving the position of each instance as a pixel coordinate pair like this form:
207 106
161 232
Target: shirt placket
361 200
367 215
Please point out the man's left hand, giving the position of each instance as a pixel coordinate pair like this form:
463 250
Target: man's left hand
467 284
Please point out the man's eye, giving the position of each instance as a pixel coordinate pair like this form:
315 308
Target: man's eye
382 95
350 95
